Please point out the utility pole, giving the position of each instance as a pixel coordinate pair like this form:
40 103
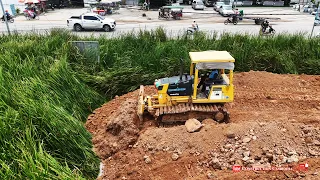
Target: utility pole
5 17
316 18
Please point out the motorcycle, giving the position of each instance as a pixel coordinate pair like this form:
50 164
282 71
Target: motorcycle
269 31
235 22
30 15
192 30
51 6
10 19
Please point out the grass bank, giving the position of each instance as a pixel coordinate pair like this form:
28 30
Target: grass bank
131 60
48 88
43 104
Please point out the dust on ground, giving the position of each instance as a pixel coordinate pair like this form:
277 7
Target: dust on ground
274 123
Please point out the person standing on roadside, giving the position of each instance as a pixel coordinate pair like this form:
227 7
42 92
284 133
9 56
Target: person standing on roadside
145 5
195 25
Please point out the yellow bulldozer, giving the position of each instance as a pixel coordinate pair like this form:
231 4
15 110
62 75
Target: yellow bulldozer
186 96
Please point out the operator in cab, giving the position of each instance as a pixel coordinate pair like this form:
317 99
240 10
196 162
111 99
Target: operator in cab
208 77
214 75
203 78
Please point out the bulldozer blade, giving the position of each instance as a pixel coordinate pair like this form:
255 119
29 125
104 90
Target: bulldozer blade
141 104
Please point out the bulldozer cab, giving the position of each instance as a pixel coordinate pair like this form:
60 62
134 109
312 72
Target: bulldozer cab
217 87
216 82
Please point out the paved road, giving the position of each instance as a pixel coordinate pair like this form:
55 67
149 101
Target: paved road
129 20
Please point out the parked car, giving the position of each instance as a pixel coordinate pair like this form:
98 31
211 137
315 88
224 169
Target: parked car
296 7
180 1
311 8
208 3
238 3
226 10
91 21
314 11
217 6
294 1
189 2
198 4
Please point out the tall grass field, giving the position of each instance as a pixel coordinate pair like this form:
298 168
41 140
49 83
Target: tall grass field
48 88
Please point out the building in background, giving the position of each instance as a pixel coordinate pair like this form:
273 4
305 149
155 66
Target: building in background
16 4
67 3
131 2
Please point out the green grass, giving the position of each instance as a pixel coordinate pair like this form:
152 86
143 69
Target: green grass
130 60
43 107
47 88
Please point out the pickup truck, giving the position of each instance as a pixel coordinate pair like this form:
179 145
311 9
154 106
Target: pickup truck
91 21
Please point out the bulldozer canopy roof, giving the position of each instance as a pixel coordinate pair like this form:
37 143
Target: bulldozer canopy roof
211 56
215 65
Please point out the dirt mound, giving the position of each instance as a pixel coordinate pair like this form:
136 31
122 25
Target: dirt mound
274 123
114 125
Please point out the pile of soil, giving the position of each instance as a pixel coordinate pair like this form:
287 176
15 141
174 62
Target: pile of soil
274 123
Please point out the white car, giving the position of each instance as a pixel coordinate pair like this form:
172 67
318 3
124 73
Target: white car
226 10
217 6
314 12
238 3
91 21
295 6
198 4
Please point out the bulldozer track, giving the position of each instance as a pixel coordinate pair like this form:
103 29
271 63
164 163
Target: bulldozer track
185 111
185 107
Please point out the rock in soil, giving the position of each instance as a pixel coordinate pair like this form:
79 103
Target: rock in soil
293 158
175 156
230 135
308 140
215 163
246 158
257 157
228 146
312 152
193 125
269 156
211 175
316 142
246 140
147 159
246 153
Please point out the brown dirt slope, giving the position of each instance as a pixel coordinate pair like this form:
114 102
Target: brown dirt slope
274 123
